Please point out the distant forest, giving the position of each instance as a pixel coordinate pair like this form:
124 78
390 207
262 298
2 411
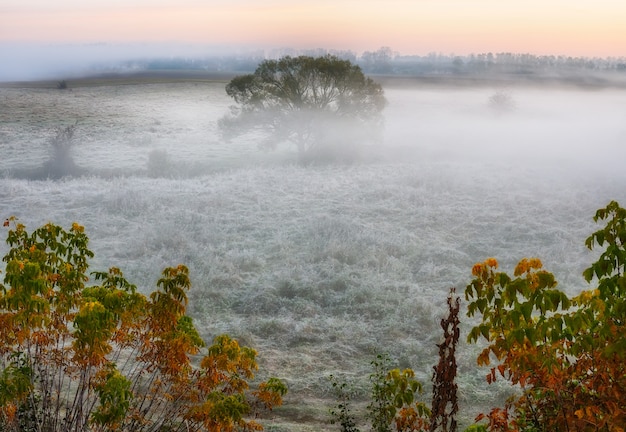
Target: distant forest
385 61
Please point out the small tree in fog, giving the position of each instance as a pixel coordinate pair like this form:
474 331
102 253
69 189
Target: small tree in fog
325 106
61 163
159 164
501 102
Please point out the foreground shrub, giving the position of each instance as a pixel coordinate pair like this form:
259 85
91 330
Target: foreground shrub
393 402
568 355
393 405
105 357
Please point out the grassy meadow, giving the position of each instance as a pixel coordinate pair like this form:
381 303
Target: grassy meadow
320 267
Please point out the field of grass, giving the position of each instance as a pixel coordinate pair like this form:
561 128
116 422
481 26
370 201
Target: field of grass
321 267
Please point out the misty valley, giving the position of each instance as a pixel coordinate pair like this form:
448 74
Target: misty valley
322 266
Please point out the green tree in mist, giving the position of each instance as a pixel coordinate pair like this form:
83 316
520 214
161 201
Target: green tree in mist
325 106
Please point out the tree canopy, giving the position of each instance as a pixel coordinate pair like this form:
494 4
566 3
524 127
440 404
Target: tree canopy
319 104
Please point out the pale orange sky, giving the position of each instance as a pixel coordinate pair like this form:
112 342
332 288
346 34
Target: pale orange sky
574 27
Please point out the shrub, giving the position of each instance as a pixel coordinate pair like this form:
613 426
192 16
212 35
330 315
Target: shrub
343 414
567 354
159 164
393 405
105 357
501 102
60 163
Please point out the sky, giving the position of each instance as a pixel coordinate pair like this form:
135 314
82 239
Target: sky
590 28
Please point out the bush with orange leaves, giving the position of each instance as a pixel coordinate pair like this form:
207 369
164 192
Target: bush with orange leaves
107 358
568 355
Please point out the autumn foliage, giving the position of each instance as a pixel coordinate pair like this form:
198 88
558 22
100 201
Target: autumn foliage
105 357
568 355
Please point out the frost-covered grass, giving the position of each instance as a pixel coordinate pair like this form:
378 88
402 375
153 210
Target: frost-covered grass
320 267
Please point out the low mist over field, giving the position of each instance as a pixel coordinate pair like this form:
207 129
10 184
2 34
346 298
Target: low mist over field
320 267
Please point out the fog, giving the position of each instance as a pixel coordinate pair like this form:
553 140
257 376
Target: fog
545 125
32 61
320 266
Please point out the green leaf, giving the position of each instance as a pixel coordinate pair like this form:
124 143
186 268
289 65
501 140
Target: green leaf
555 335
546 279
473 335
515 317
527 310
484 330
588 274
483 303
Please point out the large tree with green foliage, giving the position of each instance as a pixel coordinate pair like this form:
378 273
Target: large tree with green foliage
323 105
104 357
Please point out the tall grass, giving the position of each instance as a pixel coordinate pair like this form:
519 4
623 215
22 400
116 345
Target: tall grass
319 268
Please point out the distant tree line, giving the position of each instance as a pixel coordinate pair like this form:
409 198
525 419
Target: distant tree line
385 61
505 62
